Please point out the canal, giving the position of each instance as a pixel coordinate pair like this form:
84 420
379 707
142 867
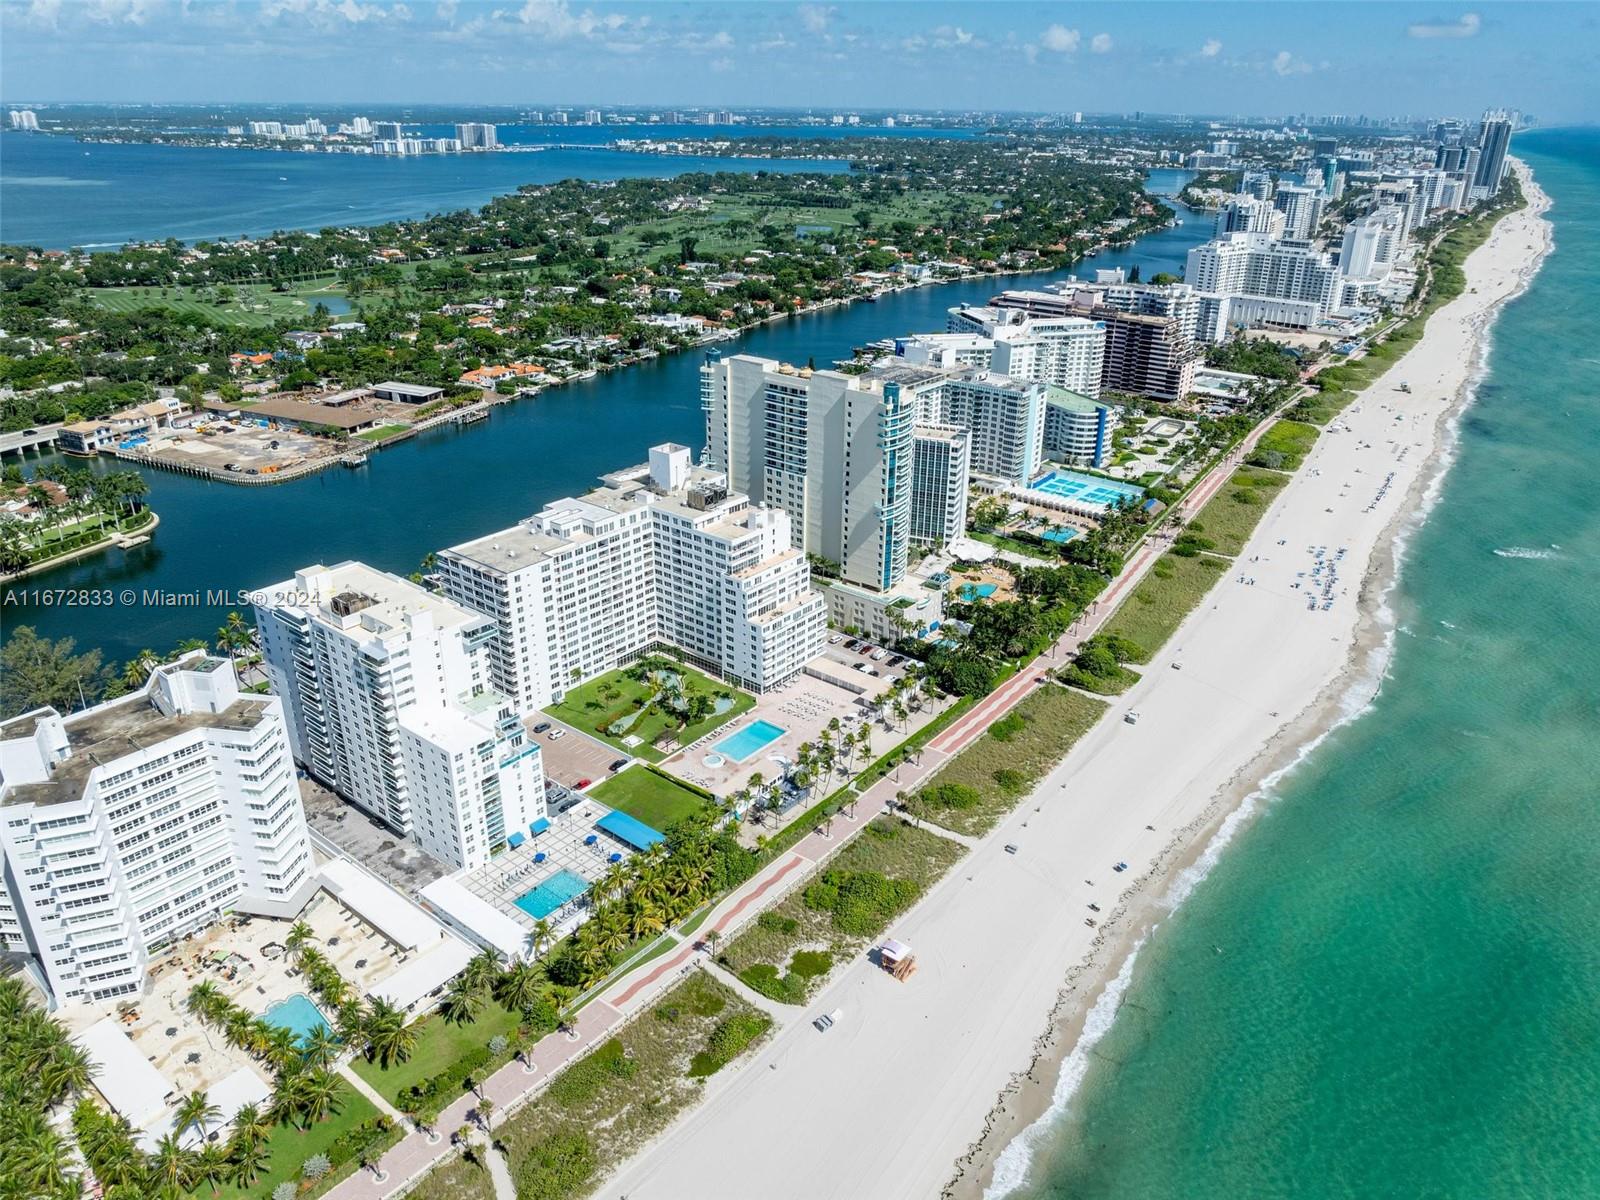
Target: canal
450 484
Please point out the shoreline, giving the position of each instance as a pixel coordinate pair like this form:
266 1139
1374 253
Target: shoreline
1034 1101
990 936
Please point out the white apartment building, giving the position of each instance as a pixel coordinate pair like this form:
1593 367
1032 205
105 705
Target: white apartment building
1246 214
1065 350
476 135
1004 420
24 118
386 691
832 450
940 478
1077 429
1301 208
663 554
1372 244
1265 281
142 820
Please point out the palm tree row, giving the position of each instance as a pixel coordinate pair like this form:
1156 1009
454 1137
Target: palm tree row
40 1068
125 1172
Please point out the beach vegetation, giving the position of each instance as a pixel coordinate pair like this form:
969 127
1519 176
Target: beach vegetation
861 889
1284 445
1000 773
1098 665
1172 589
1231 516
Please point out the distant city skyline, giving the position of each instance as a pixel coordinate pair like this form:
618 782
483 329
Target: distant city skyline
1222 59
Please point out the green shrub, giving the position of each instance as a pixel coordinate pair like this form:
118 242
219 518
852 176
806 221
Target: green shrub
556 1167
764 980
1010 780
951 795
810 964
774 923
1008 726
580 1081
727 1041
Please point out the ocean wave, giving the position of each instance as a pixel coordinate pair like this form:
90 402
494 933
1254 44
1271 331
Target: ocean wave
1011 1167
1527 552
64 181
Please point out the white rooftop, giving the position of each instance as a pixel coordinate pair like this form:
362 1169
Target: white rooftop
422 975
380 906
243 1087
482 918
122 1074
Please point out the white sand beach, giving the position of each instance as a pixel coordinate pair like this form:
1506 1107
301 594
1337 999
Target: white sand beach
894 1100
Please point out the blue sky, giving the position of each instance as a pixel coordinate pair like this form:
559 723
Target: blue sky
1419 57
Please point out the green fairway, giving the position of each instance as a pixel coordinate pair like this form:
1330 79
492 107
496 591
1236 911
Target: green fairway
251 304
648 796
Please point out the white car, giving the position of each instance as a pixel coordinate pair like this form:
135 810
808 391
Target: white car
557 734
1131 716
828 1020
879 655
836 639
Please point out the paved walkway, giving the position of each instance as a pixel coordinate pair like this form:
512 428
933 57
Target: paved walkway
513 1084
371 1093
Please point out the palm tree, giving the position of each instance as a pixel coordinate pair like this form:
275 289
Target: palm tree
249 1160
299 936
137 669
67 1073
611 935
250 1128
645 917
211 1166
543 933
288 1094
462 1002
204 1000
321 1048
195 1109
239 1027
171 1163
482 970
319 1093
389 1038
519 986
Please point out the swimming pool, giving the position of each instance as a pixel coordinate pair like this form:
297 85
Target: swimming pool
1085 489
749 741
1059 536
977 591
299 1014
551 894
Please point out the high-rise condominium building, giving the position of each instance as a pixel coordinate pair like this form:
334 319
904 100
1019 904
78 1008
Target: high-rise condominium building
1265 281
387 695
142 820
475 135
830 449
1061 349
659 555
1301 208
388 131
1246 214
1494 143
939 484
1003 417
24 118
1150 332
1077 429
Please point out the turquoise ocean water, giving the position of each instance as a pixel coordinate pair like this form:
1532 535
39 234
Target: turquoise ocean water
1390 983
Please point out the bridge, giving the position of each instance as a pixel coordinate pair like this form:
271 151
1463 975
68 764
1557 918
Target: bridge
28 439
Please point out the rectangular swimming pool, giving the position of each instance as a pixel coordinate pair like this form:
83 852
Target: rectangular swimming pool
298 1014
1086 489
749 741
552 893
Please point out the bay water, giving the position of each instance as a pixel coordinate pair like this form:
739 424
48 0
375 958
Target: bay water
1387 984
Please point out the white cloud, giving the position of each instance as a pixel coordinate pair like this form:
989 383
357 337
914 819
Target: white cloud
1060 39
1284 63
114 12
445 11
722 65
815 18
953 35
1464 27
1100 43
42 14
1211 49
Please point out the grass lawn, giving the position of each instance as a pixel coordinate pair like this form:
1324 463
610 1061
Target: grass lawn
290 1146
1001 542
648 796
596 705
1164 598
786 951
381 432
603 1108
1233 513
439 1044
1003 765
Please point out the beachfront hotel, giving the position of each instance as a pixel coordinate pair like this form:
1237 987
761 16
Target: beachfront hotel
137 822
663 554
388 700
940 479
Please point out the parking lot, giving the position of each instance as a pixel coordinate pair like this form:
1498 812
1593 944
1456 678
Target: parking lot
573 757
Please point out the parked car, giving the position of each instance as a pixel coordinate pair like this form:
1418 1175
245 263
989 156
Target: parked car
541 727
851 644
895 660
618 765
582 783
879 655
864 648
557 734
836 639
1131 716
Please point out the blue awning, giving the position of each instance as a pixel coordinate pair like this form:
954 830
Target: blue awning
515 840
539 826
627 829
